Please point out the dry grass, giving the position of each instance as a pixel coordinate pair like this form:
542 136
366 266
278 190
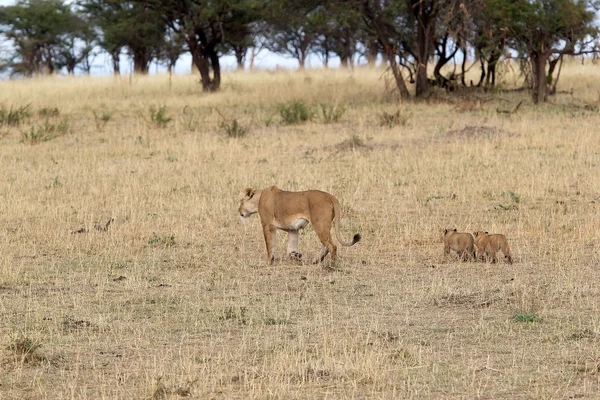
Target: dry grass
171 299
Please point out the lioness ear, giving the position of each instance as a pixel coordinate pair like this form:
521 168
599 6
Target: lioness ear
454 229
249 191
445 231
487 233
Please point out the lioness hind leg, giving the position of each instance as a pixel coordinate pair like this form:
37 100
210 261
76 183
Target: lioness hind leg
323 231
322 255
330 248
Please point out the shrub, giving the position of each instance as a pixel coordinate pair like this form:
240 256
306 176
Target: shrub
102 118
47 131
13 116
295 112
159 116
332 113
395 119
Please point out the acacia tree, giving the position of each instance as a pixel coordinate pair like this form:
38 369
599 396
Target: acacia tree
206 25
42 32
546 28
127 25
406 30
293 29
339 28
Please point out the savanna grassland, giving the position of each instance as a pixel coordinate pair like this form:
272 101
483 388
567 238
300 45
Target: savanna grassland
172 297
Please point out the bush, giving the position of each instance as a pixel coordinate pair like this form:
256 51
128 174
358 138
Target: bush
295 112
47 131
332 113
395 119
159 116
13 116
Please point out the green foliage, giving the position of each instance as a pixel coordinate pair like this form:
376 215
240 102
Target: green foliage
127 24
295 112
47 36
161 241
514 197
390 120
276 321
102 118
48 112
159 116
44 132
233 314
13 116
526 316
26 349
233 128
332 113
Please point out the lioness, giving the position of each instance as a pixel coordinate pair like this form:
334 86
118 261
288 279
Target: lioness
292 211
487 246
460 242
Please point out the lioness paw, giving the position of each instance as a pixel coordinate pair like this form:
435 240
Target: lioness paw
295 255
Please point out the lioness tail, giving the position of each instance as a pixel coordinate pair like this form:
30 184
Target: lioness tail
337 214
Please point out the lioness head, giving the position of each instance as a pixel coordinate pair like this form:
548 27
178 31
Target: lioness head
249 204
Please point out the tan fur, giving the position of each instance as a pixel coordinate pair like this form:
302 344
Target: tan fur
487 245
460 242
292 211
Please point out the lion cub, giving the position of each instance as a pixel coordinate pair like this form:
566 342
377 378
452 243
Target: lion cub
487 246
460 242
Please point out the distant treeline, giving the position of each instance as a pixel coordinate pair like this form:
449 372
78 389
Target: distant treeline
46 36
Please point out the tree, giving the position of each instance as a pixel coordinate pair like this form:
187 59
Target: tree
293 28
338 30
206 25
173 47
543 28
45 35
127 25
405 30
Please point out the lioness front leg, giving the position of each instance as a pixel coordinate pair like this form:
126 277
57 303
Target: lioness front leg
292 248
270 233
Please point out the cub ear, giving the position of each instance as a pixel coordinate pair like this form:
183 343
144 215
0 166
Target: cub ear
249 191
487 233
454 229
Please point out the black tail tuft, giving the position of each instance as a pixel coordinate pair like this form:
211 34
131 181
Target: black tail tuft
356 238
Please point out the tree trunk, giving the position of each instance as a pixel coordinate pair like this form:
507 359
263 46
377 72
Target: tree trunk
372 51
492 62
400 84
141 61
482 76
116 62
424 28
540 85
301 59
71 67
203 62
216 67
463 72
253 53
240 55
